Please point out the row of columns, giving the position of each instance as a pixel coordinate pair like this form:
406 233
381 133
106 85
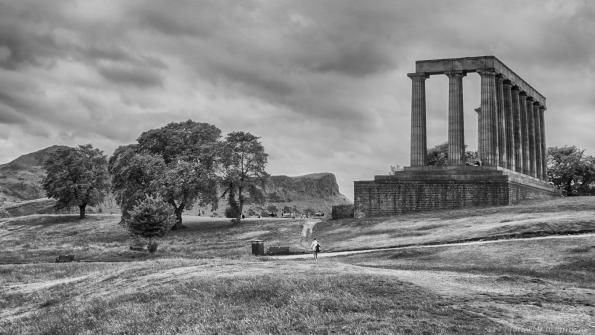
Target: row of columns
511 124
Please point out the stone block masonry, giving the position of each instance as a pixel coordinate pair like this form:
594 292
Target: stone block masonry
434 188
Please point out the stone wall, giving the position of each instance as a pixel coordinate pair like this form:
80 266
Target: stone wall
342 212
425 189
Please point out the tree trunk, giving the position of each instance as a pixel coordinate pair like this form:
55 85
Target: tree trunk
178 211
82 211
240 205
569 188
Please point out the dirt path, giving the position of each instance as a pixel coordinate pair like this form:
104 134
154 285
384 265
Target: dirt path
307 228
353 252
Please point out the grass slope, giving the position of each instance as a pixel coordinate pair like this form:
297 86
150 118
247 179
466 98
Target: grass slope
209 297
558 216
203 280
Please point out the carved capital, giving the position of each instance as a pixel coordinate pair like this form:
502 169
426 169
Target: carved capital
455 74
487 73
417 76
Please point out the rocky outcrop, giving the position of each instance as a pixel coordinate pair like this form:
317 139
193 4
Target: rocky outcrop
307 187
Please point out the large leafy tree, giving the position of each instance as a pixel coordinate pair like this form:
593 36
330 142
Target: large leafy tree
133 174
177 162
183 183
76 177
570 170
243 161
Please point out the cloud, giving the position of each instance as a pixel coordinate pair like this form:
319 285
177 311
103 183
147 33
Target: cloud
322 82
130 75
9 116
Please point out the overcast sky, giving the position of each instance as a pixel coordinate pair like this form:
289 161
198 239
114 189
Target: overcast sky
323 83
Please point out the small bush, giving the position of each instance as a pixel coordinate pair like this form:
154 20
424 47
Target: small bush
152 247
232 212
150 218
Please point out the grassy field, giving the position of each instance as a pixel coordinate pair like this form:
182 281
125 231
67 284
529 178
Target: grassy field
40 238
559 216
203 279
210 296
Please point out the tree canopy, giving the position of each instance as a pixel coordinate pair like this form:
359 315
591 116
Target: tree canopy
76 177
438 156
570 170
243 160
178 163
132 175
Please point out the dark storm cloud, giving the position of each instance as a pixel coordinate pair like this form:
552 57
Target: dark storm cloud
26 48
130 75
252 78
17 100
9 116
360 59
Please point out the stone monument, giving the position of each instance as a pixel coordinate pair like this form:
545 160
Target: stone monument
511 136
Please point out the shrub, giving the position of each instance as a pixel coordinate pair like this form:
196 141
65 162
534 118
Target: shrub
152 247
150 218
232 212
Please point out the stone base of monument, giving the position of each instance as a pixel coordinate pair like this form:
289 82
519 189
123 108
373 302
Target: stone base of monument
426 188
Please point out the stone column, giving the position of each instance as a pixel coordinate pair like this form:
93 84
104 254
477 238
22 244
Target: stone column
524 131
543 146
517 133
531 132
418 119
488 137
456 128
508 124
502 161
538 154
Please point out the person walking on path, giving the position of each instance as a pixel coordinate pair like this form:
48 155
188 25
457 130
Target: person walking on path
315 246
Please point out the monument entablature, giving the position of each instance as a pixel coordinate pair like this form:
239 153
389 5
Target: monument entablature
511 136
477 64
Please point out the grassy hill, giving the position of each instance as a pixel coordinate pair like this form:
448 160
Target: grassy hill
203 279
20 179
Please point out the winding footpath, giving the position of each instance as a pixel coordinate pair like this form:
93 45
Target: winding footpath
353 252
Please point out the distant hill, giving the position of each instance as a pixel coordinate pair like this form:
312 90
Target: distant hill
316 192
20 181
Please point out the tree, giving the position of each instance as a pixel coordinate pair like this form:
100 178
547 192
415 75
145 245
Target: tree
149 218
570 170
132 176
438 156
243 161
76 177
182 183
178 162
